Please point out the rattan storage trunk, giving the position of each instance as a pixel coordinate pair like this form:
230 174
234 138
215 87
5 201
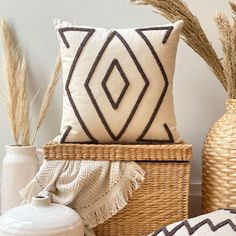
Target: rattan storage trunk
162 198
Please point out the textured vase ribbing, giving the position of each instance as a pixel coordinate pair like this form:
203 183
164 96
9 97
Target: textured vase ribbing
219 162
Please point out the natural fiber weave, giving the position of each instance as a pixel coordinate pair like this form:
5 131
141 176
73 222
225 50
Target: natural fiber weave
219 162
118 152
161 200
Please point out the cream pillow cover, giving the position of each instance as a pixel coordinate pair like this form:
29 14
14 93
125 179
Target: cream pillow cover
118 84
217 223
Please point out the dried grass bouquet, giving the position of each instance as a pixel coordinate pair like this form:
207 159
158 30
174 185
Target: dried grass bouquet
16 98
195 37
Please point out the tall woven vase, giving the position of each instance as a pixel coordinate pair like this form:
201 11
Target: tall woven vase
219 162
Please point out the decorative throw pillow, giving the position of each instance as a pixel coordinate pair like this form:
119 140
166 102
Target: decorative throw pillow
218 223
118 84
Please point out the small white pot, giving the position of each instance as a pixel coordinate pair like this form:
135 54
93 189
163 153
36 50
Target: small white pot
20 165
41 218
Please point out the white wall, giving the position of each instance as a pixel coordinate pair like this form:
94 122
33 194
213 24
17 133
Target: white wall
199 98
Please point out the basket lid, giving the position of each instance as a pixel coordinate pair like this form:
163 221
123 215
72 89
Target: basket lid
118 152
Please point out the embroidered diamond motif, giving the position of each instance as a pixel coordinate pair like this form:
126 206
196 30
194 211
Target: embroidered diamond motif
91 85
114 78
96 90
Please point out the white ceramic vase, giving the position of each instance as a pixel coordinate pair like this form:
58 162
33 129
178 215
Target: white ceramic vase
41 218
20 165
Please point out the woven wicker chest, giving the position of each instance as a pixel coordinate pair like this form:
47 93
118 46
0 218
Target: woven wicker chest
162 198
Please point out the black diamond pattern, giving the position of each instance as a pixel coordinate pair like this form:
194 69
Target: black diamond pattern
116 137
115 63
115 104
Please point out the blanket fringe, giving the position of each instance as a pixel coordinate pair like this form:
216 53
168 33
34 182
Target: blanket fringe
118 200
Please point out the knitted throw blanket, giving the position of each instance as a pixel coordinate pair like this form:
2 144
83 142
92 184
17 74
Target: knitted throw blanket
97 190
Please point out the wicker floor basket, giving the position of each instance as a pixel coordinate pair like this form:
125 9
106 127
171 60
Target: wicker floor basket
162 198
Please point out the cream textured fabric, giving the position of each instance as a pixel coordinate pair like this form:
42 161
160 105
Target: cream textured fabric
218 223
118 84
97 190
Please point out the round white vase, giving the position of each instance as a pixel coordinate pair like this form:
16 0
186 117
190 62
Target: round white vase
41 218
20 165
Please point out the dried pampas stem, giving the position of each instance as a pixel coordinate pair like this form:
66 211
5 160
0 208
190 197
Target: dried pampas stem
233 7
11 68
23 104
225 34
17 100
48 95
192 33
233 52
